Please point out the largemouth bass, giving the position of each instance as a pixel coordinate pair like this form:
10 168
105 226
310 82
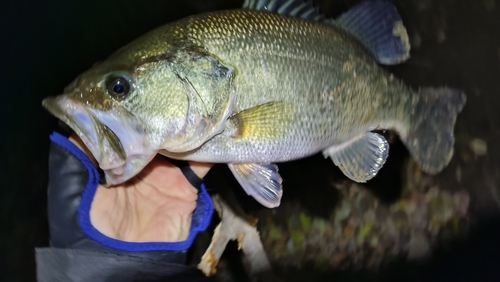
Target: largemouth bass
272 82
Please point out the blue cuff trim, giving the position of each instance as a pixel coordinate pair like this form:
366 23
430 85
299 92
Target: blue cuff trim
201 218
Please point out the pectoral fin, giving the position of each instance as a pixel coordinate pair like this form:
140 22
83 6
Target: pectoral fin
261 181
361 159
264 122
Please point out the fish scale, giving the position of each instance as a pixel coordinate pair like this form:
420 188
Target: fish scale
272 82
275 70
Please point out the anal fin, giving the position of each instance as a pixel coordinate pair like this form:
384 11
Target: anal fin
261 181
361 159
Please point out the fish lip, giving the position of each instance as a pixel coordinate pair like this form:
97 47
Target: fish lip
49 104
65 108
52 104
117 170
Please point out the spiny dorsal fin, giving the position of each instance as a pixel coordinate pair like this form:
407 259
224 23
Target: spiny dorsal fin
379 27
376 24
296 8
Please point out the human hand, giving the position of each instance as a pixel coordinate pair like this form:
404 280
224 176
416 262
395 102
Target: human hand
156 205
150 214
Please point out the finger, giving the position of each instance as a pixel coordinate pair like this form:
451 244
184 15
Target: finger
168 178
200 169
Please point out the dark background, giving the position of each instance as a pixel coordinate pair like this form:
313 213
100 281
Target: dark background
44 45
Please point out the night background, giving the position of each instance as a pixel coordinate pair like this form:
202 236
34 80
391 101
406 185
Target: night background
44 45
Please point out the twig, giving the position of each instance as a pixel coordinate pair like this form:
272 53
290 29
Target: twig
233 227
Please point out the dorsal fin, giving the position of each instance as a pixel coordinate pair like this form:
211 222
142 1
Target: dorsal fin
376 24
379 27
296 8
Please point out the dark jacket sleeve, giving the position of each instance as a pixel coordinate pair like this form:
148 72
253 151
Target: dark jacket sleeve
55 264
72 255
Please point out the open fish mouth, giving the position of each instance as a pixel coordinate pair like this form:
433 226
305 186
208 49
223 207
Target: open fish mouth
115 139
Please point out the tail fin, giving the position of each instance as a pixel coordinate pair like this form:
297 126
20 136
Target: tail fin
430 139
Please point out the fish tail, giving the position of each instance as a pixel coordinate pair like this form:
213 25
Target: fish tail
430 138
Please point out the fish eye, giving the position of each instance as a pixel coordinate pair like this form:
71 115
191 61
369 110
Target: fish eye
118 87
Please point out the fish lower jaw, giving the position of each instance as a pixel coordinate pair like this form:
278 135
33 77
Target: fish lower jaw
118 171
119 174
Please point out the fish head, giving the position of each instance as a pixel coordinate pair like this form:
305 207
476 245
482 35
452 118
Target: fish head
151 95
123 109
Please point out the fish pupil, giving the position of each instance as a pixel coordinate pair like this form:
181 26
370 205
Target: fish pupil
118 87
